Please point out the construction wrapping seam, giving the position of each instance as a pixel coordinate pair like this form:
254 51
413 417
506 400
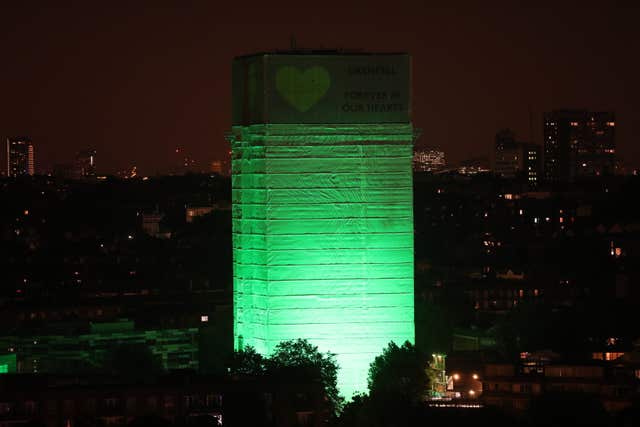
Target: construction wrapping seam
323 240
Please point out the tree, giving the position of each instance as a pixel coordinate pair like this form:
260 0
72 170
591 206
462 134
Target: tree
300 359
399 373
359 412
248 362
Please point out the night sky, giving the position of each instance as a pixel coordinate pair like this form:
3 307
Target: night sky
135 80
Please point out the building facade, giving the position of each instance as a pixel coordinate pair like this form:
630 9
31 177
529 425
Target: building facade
514 159
532 159
578 144
180 398
508 156
86 352
20 157
514 387
322 149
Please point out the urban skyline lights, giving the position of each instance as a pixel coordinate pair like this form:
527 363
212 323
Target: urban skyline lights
138 117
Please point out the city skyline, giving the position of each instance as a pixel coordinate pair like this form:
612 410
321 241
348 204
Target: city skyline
149 79
336 214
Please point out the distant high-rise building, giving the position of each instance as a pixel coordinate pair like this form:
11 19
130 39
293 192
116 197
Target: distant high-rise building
532 161
85 164
426 160
577 144
514 159
20 160
508 153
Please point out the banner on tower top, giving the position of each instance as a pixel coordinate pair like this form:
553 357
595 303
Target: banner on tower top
322 88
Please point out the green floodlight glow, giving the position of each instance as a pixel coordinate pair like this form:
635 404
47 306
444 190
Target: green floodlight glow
323 239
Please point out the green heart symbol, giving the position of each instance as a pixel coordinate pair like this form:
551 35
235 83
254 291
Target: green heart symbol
302 89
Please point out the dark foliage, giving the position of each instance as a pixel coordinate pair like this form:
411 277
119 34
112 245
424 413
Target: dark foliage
247 362
300 359
364 411
399 373
293 361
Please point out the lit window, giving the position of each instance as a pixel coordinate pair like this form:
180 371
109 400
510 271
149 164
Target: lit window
204 318
4 369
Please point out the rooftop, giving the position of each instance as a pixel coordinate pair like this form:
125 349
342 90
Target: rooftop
320 51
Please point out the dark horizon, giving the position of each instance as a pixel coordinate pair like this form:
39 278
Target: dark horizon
136 82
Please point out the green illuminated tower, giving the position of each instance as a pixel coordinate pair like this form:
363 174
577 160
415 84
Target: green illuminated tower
322 204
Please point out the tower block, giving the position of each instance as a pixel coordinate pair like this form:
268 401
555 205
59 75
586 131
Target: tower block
322 145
